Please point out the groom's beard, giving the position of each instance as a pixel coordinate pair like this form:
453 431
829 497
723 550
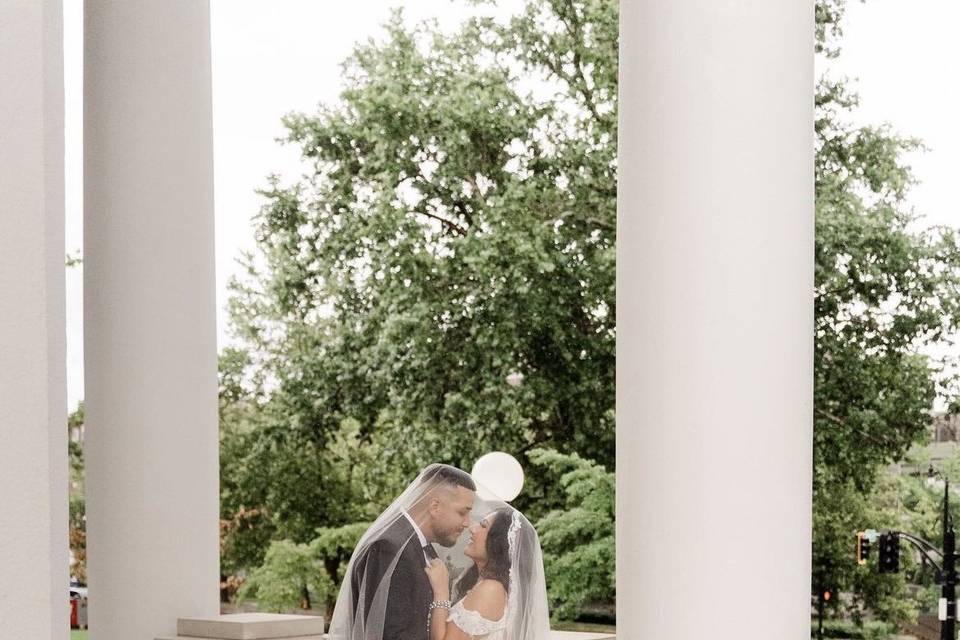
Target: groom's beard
448 538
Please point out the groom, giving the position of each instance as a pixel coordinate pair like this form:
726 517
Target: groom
438 516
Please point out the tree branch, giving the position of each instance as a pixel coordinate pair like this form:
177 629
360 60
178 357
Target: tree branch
452 226
877 440
574 30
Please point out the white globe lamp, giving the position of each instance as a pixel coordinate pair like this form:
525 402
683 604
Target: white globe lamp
499 476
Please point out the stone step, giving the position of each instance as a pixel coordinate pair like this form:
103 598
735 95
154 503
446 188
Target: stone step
251 626
580 635
264 626
554 635
311 637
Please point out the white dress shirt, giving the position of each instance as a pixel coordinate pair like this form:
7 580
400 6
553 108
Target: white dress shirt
420 536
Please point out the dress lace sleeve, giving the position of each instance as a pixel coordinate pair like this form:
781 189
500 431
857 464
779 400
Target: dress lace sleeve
472 623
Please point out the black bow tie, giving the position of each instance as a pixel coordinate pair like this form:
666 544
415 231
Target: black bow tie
430 552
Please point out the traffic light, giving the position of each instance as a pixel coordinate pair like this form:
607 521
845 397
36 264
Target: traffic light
863 547
889 561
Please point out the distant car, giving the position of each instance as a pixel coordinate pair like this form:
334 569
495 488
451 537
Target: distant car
78 606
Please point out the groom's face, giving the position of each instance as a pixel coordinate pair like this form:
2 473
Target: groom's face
450 514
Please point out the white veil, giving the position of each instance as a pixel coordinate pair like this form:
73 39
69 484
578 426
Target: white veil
385 593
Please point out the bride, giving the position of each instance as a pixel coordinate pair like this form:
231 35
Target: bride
502 596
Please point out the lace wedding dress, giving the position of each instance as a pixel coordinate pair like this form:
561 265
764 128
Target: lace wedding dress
475 625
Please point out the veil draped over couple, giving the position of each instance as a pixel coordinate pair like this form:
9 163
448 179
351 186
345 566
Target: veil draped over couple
445 561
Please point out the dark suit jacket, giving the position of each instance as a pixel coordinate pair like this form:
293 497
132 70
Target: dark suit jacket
410 594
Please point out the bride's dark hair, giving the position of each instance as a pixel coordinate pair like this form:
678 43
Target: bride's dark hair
498 555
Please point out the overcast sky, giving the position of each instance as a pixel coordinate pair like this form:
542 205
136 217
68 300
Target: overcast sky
270 58
905 54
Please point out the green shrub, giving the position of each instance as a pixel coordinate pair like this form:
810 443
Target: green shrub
874 630
579 554
290 577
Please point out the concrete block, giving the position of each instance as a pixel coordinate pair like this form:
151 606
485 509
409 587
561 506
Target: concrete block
580 635
251 626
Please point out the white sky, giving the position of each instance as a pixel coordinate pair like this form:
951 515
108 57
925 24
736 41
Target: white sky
270 58
905 54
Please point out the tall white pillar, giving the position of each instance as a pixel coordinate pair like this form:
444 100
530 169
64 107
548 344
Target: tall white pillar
149 317
33 399
715 319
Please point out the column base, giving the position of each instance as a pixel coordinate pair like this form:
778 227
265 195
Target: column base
580 635
250 626
312 637
275 626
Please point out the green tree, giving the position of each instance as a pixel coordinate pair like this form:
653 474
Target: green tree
457 226
886 290
266 485
77 525
245 526
578 537
333 546
455 229
75 421
289 578
303 575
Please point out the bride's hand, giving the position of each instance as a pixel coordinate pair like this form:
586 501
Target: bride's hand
439 579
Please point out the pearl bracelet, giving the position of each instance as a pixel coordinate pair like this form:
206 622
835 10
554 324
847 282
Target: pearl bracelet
436 604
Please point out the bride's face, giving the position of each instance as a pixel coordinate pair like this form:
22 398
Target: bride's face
477 549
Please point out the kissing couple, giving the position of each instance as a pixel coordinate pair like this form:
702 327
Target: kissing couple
488 584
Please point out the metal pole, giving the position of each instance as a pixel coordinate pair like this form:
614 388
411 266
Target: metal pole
820 604
949 590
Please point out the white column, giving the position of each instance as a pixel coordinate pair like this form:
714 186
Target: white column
34 601
149 317
715 319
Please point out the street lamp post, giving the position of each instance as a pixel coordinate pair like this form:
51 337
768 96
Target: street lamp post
948 592
946 570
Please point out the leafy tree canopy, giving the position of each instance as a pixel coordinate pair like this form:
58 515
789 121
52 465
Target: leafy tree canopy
886 293
456 228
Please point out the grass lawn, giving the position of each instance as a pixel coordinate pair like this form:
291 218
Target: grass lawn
76 634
